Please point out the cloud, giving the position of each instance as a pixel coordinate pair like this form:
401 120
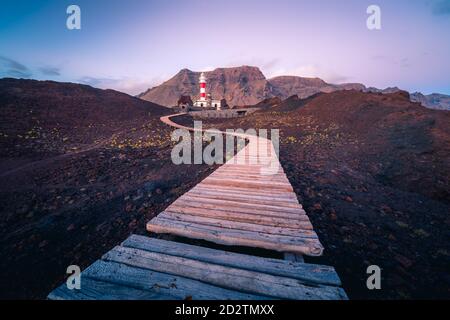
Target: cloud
132 86
50 71
310 71
441 8
13 68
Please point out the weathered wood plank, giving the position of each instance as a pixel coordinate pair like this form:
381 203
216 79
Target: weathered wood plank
266 192
248 198
179 287
92 289
237 183
289 203
242 217
245 196
238 225
294 209
225 277
231 169
308 273
280 243
267 195
247 183
222 174
310 238
187 202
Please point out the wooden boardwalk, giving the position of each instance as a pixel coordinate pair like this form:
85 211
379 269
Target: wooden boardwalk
246 202
145 268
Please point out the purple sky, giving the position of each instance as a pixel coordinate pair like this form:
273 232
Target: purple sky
132 45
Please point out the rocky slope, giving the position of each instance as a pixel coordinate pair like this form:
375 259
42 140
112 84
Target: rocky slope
46 118
81 168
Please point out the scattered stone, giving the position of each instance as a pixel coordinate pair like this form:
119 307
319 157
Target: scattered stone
43 243
402 224
421 233
348 199
405 262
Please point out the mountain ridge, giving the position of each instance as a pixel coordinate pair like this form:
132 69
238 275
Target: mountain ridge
247 85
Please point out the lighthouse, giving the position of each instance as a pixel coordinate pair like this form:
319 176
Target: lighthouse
202 81
205 100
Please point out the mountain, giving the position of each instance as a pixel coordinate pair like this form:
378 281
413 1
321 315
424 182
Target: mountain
239 86
246 85
286 86
433 101
384 91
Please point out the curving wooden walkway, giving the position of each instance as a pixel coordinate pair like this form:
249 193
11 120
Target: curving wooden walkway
248 201
239 204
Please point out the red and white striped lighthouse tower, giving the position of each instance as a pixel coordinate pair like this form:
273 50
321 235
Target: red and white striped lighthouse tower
202 82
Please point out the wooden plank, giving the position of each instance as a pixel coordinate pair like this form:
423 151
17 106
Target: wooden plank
265 194
237 183
247 178
242 217
92 289
226 277
238 207
237 225
179 287
241 166
245 195
307 273
234 208
291 203
281 194
249 200
305 246
253 183
223 172
287 239
244 169
257 205
248 174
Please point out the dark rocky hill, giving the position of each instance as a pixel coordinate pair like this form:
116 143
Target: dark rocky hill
81 168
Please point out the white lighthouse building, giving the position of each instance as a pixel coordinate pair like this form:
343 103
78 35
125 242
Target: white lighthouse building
204 100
